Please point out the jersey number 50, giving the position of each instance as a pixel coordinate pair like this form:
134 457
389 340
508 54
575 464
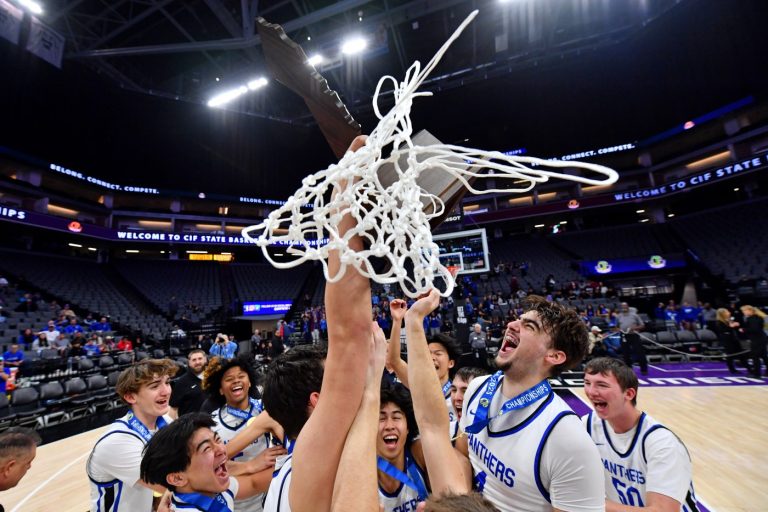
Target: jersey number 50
628 495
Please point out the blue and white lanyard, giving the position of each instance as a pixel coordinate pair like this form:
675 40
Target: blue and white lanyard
246 415
137 426
524 399
410 478
205 503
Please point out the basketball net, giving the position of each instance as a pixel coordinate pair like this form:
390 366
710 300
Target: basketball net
392 220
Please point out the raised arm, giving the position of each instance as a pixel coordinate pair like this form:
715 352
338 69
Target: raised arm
448 471
348 309
256 427
356 480
397 309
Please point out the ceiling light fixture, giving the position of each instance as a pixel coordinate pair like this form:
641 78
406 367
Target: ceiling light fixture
354 45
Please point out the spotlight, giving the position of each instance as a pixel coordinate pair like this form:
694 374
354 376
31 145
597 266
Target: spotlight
257 84
226 97
32 6
354 45
315 60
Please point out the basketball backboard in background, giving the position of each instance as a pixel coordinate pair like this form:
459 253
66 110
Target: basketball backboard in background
466 249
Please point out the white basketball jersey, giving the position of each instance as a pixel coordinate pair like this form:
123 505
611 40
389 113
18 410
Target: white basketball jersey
178 504
452 416
404 499
277 494
227 427
512 466
630 462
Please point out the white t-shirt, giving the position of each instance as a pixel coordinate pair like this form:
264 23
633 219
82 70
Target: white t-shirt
647 458
535 458
179 504
228 426
113 471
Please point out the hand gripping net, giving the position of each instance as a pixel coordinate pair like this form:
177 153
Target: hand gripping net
393 220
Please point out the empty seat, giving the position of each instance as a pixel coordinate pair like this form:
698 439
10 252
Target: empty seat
6 415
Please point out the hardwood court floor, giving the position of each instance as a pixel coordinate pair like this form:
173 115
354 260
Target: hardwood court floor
724 428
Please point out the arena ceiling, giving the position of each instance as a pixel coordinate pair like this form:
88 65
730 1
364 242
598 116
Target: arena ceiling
553 76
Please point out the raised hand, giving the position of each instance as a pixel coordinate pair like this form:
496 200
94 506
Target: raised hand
398 308
425 305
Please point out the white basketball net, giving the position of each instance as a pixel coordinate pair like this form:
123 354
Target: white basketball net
391 219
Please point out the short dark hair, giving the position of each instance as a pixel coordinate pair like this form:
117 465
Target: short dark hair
215 371
289 381
472 502
17 439
449 343
568 332
168 451
467 373
623 373
396 393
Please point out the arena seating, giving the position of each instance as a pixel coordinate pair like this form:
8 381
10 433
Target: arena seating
730 241
264 282
85 285
190 282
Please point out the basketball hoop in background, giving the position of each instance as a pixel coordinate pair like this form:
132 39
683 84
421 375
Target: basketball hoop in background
394 188
453 270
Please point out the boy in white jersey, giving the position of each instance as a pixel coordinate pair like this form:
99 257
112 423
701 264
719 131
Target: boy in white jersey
459 386
190 460
646 466
527 448
113 466
228 384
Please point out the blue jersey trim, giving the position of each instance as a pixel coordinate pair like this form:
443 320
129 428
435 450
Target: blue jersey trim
282 484
634 439
540 450
589 423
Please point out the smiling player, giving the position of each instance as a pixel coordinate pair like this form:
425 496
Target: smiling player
113 466
647 467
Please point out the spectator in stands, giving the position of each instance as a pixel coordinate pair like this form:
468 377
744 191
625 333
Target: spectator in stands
255 340
688 316
478 343
18 447
67 312
660 311
3 318
223 347
280 331
629 323
73 327
125 345
102 325
40 342
88 321
595 337
187 395
178 332
708 316
91 348
51 334
13 357
27 338
5 374
55 309
3 282
754 328
173 307
725 328
61 343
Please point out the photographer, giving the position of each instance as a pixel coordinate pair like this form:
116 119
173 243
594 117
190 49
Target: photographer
223 347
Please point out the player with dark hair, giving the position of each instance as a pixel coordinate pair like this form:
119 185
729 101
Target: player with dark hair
443 348
647 467
459 385
113 466
18 447
228 384
401 469
527 448
190 459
